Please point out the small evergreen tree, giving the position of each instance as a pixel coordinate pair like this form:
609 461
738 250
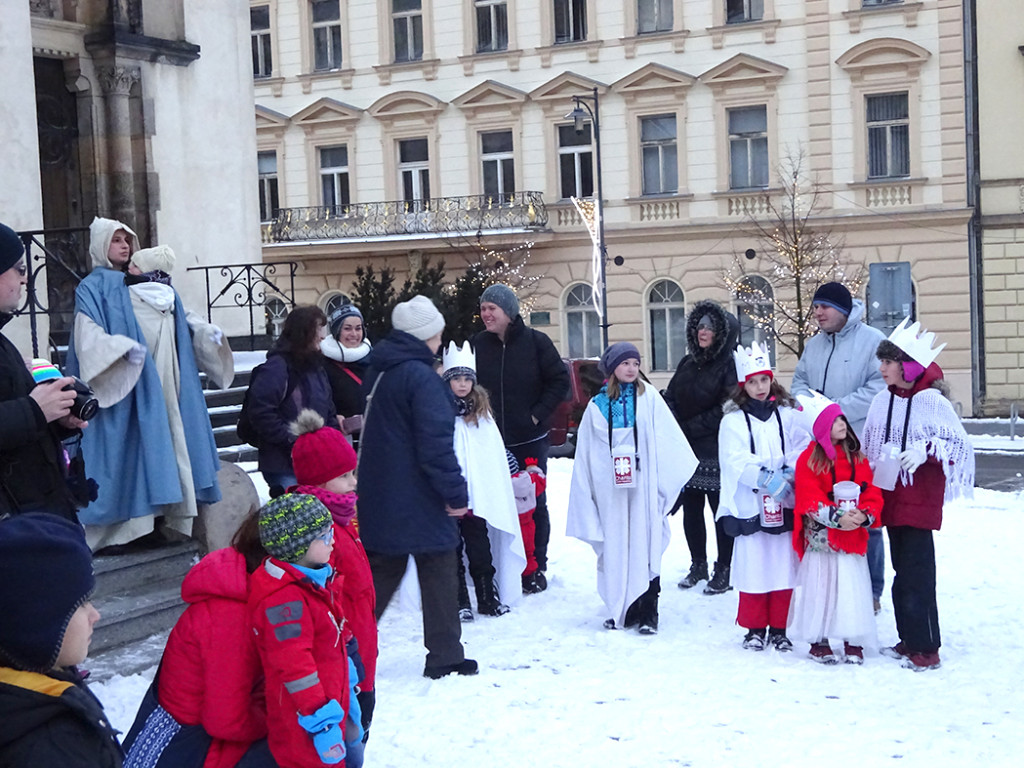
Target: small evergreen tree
374 293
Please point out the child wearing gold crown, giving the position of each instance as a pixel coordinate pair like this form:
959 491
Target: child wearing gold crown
491 535
913 422
759 441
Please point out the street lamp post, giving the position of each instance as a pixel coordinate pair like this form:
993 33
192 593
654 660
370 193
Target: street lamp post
580 113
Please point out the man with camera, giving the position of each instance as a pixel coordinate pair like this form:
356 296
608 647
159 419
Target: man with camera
33 419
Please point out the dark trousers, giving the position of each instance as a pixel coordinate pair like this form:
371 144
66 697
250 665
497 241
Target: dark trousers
442 630
696 532
913 588
538 450
477 546
876 562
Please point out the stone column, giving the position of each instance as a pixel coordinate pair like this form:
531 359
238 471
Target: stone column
115 84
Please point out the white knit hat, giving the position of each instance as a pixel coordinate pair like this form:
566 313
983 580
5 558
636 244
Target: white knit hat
158 257
418 317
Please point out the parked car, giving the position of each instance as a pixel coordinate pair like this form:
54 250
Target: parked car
585 381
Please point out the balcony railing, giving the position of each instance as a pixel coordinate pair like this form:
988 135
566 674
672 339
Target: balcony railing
438 215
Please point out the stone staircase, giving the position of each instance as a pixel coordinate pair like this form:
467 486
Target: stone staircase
138 595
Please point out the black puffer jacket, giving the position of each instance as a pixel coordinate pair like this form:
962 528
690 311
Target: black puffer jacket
32 474
703 381
53 719
525 377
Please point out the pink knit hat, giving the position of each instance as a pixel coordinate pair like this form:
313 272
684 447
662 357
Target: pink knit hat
818 414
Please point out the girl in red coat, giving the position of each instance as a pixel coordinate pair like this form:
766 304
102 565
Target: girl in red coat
206 706
295 611
325 467
832 597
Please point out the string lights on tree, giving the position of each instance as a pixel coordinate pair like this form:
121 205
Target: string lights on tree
794 257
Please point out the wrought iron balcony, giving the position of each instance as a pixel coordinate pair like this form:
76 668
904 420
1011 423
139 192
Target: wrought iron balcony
433 216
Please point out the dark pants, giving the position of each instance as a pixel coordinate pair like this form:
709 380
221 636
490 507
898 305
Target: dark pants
442 630
876 562
538 450
913 588
696 532
477 546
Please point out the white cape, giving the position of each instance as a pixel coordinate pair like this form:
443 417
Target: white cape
481 454
628 527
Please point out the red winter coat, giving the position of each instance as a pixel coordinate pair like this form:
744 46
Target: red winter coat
358 597
814 488
298 627
918 505
211 673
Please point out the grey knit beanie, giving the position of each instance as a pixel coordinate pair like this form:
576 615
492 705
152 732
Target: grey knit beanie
504 297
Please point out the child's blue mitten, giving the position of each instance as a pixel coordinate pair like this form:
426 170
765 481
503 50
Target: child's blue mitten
773 482
323 726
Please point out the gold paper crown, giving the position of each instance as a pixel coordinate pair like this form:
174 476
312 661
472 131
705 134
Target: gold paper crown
916 343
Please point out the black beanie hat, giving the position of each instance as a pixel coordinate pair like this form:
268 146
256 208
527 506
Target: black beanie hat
45 575
834 295
11 248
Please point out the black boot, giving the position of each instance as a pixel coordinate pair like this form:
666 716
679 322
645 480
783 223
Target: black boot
488 602
698 572
649 619
719 582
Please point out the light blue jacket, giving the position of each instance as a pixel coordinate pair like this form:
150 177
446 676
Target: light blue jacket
843 367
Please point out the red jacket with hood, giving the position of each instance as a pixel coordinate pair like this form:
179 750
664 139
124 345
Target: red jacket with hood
299 635
211 673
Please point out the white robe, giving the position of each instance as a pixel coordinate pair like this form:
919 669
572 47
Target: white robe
761 562
481 454
627 527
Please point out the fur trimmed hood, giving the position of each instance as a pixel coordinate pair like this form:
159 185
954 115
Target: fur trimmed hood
726 327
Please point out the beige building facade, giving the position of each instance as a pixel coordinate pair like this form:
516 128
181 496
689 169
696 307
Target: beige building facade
1000 89
397 130
132 109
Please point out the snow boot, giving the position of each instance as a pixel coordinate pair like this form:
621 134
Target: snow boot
777 639
853 654
821 652
720 581
488 602
922 661
649 608
898 651
464 667
754 640
465 607
698 572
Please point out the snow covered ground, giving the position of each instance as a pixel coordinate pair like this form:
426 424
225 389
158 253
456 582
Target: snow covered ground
557 690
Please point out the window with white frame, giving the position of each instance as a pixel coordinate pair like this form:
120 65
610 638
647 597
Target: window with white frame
583 327
756 313
888 124
334 178
658 151
326 15
407 24
667 313
498 163
575 162
259 24
748 147
414 172
653 16
738 11
266 163
570 21
491 25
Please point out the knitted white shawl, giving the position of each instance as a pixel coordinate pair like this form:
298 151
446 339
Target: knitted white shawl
933 425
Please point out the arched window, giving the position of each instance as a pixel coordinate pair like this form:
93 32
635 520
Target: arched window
276 311
331 301
668 325
755 310
582 323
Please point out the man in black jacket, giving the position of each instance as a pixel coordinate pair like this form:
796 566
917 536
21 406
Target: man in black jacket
526 378
33 420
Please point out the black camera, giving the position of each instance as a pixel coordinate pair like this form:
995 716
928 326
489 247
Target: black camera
86 404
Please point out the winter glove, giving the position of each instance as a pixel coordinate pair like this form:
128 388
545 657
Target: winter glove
913 457
324 726
136 355
773 482
357 671
790 474
354 724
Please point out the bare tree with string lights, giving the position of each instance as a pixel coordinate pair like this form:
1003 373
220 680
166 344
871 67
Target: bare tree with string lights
775 283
